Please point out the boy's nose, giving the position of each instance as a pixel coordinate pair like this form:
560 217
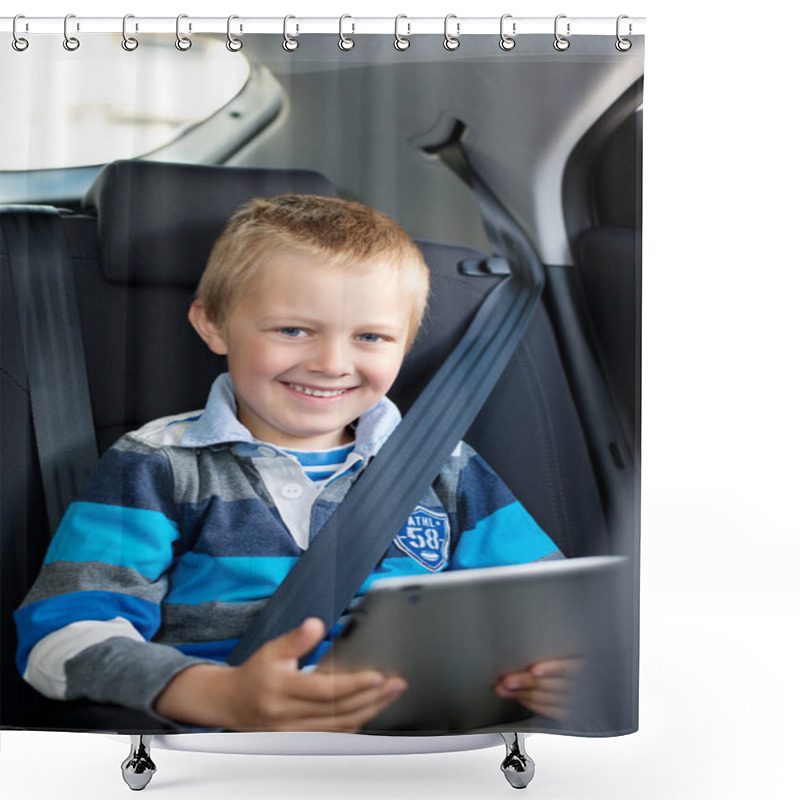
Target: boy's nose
330 359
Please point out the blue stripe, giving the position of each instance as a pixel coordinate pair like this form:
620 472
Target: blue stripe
126 537
183 420
37 620
247 527
131 479
218 650
403 566
318 477
322 458
509 536
200 578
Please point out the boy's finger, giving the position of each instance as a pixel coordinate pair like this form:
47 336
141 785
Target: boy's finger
528 683
558 668
350 704
343 721
336 687
296 643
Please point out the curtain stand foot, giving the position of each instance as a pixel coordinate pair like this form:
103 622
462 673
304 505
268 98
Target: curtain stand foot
138 768
517 766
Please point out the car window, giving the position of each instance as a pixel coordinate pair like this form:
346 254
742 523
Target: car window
100 103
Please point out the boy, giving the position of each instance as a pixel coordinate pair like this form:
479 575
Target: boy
188 525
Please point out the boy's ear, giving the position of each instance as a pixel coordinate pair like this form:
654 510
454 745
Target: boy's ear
208 331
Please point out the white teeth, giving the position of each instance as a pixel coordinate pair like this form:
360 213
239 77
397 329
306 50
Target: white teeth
317 392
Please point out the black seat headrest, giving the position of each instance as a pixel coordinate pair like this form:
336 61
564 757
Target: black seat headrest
135 200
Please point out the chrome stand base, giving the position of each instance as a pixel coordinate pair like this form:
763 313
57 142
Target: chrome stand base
518 766
138 768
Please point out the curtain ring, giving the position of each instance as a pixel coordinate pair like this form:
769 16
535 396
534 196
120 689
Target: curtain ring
233 44
400 42
344 42
182 42
128 42
623 45
561 43
451 42
507 42
70 42
290 44
18 43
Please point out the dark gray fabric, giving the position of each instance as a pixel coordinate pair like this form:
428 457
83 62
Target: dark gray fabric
46 303
135 199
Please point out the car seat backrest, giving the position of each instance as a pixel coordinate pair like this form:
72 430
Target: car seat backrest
137 251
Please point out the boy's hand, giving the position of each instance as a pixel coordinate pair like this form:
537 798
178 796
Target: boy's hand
268 692
273 694
546 688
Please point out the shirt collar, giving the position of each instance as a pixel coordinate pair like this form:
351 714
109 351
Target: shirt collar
218 423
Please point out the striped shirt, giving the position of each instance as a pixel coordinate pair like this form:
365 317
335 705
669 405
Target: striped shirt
188 525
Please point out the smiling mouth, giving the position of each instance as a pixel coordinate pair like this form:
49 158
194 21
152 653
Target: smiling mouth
311 392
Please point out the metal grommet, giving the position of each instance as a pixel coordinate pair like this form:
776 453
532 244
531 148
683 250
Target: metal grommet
290 44
561 43
507 42
451 42
623 45
128 42
344 42
183 43
400 42
18 42
71 43
233 44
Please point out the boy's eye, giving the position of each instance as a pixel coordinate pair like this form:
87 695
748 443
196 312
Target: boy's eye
369 337
292 333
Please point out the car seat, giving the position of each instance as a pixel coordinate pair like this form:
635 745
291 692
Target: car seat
135 252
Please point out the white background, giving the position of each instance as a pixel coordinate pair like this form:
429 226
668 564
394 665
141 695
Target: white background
720 539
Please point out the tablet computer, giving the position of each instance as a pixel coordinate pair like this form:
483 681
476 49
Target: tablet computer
452 635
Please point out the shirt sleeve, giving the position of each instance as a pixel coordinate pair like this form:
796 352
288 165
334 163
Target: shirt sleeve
85 627
495 529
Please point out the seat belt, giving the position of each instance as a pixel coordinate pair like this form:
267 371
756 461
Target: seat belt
358 533
47 306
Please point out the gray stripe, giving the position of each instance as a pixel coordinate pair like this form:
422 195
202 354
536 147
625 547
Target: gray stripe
215 472
62 577
207 622
124 671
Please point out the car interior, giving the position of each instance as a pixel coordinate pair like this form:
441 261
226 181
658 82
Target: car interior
114 251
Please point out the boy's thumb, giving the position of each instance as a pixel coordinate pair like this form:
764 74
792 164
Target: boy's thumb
297 642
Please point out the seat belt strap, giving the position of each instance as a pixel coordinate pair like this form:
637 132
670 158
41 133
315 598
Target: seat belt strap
58 386
355 537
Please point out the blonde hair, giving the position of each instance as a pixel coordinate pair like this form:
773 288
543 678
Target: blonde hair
343 233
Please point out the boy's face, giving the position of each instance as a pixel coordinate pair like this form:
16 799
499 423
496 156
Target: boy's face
311 347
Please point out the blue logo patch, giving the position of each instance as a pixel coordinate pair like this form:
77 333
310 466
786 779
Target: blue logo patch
426 538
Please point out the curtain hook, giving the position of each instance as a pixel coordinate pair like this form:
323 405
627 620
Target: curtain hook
561 43
507 42
233 44
400 42
182 42
128 42
71 43
344 42
451 42
623 45
290 44
18 43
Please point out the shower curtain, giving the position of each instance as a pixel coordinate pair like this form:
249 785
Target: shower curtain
135 143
